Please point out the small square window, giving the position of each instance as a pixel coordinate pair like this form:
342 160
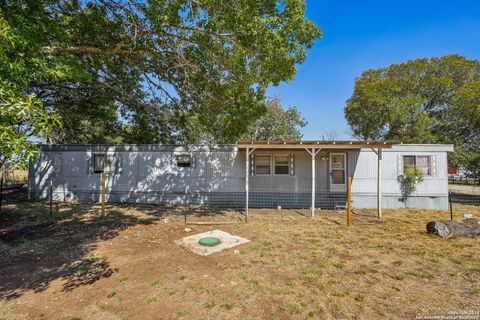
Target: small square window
184 161
105 163
98 163
262 165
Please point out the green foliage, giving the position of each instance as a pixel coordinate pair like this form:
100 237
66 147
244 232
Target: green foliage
155 71
22 116
433 100
468 159
277 124
409 181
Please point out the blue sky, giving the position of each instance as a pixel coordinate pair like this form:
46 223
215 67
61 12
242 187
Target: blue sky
360 35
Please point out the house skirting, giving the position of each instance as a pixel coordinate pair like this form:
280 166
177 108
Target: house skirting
290 200
393 201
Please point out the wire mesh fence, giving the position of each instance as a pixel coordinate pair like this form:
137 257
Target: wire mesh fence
324 199
464 205
51 202
54 203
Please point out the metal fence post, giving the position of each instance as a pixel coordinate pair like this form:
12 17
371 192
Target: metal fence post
450 202
103 193
349 201
185 208
51 198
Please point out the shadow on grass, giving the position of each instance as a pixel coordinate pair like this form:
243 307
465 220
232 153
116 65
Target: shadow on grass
60 247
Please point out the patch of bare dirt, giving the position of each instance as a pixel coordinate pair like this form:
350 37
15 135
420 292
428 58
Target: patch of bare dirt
464 188
126 266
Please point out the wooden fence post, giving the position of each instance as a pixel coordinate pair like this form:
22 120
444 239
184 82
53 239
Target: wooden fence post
349 201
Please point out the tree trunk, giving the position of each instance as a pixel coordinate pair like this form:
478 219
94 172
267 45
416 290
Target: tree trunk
447 228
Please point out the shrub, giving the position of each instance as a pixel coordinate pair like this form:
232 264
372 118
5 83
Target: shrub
409 181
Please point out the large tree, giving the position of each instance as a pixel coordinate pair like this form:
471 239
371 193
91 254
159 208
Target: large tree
22 116
157 71
277 124
433 100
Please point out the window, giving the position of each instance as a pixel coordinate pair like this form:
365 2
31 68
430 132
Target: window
337 169
262 165
184 161
98 163
422 163
281 164
105 163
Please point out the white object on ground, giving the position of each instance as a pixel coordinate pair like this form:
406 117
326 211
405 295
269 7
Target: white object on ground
227 241
468 216
188 229
236 252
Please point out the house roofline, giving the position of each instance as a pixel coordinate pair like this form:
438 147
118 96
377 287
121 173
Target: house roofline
353 145
330 144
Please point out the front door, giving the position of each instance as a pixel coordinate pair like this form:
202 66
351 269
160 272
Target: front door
338 174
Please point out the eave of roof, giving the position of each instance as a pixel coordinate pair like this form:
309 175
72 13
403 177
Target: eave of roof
316 144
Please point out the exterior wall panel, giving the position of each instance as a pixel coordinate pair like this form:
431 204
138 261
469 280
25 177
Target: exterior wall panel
150 174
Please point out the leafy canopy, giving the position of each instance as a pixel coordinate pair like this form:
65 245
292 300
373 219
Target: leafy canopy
277 124
433 100
22 115
155 71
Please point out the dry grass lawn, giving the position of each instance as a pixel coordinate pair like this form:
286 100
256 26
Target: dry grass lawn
126 266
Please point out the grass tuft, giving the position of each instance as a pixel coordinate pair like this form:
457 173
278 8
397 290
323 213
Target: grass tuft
110 293
152 298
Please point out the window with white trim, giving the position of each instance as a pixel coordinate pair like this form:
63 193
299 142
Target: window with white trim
281 164
262 165
422 163
184 160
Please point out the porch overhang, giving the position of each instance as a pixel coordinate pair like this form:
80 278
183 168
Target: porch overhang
313 147
317 144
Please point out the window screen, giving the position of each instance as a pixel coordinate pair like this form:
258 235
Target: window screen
337 168
282 164
408 162
184 161
98 162
422 163
111 163
262 165
105 163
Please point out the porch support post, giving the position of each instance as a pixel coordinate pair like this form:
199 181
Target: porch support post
379 183
248 152
313 182
313 153
247 175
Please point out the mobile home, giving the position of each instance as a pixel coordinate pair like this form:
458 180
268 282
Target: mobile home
255 174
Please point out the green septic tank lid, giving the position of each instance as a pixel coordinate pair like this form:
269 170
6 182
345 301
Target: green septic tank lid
209 241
